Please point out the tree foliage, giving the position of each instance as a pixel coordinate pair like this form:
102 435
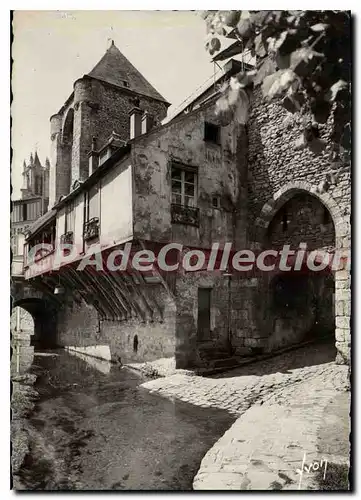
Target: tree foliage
303 60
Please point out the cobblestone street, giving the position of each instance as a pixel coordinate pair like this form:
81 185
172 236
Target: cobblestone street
281 406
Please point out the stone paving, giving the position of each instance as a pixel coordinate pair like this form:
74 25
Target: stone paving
279 405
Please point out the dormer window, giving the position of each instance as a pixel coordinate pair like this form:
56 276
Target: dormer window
125 83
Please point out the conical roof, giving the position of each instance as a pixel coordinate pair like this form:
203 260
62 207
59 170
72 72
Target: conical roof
115 68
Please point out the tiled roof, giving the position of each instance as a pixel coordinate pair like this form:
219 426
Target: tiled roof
115 68
39 223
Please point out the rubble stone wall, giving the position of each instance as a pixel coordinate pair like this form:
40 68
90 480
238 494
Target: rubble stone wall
277 171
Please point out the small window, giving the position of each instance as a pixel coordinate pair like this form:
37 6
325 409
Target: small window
184 186
135 343
216 202
212 133
25 211
93 203
69 218
125 83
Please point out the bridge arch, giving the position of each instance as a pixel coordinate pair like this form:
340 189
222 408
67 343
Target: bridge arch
42 310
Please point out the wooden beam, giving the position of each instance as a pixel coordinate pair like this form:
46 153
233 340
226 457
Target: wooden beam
119 298
99 292
150 298
123 277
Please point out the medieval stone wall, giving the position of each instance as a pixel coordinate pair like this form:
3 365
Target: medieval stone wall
274 161
302 219
80 326
277 171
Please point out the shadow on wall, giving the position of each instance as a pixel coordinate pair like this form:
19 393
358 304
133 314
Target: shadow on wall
300 308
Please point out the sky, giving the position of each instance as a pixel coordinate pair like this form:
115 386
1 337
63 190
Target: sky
52 49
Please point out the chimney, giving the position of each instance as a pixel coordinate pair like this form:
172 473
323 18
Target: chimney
147 122
135 122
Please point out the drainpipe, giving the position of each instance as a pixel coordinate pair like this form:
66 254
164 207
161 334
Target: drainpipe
228 275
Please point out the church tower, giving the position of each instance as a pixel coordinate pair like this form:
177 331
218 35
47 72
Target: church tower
99 106
35 179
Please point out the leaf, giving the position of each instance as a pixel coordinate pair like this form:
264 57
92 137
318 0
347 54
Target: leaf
259 47
304 61
336 88
245 79
267 68
241 111
244 28
233 96
206 13
223 111
283 60
277 84
219 29
259 18
231 18
214 45
317 28
288 41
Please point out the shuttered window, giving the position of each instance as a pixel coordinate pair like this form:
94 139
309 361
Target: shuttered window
93 203
70 218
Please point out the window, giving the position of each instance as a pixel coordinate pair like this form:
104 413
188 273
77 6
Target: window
69 218
92 205
20 244
212 133
125 83
25 211
216 202
38 184
184 186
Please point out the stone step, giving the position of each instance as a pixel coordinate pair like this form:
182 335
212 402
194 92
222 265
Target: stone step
227 362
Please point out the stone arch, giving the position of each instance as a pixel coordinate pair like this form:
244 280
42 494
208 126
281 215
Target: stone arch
42 310
284 194
68 127
67 147
44 317
341 224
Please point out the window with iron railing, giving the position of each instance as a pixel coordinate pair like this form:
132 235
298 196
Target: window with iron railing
184 195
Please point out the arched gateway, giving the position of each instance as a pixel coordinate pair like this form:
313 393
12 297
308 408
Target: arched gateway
303 305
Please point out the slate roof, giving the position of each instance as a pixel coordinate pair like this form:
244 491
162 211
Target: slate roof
115 68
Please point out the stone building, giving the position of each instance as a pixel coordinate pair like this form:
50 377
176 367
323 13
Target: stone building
119 176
